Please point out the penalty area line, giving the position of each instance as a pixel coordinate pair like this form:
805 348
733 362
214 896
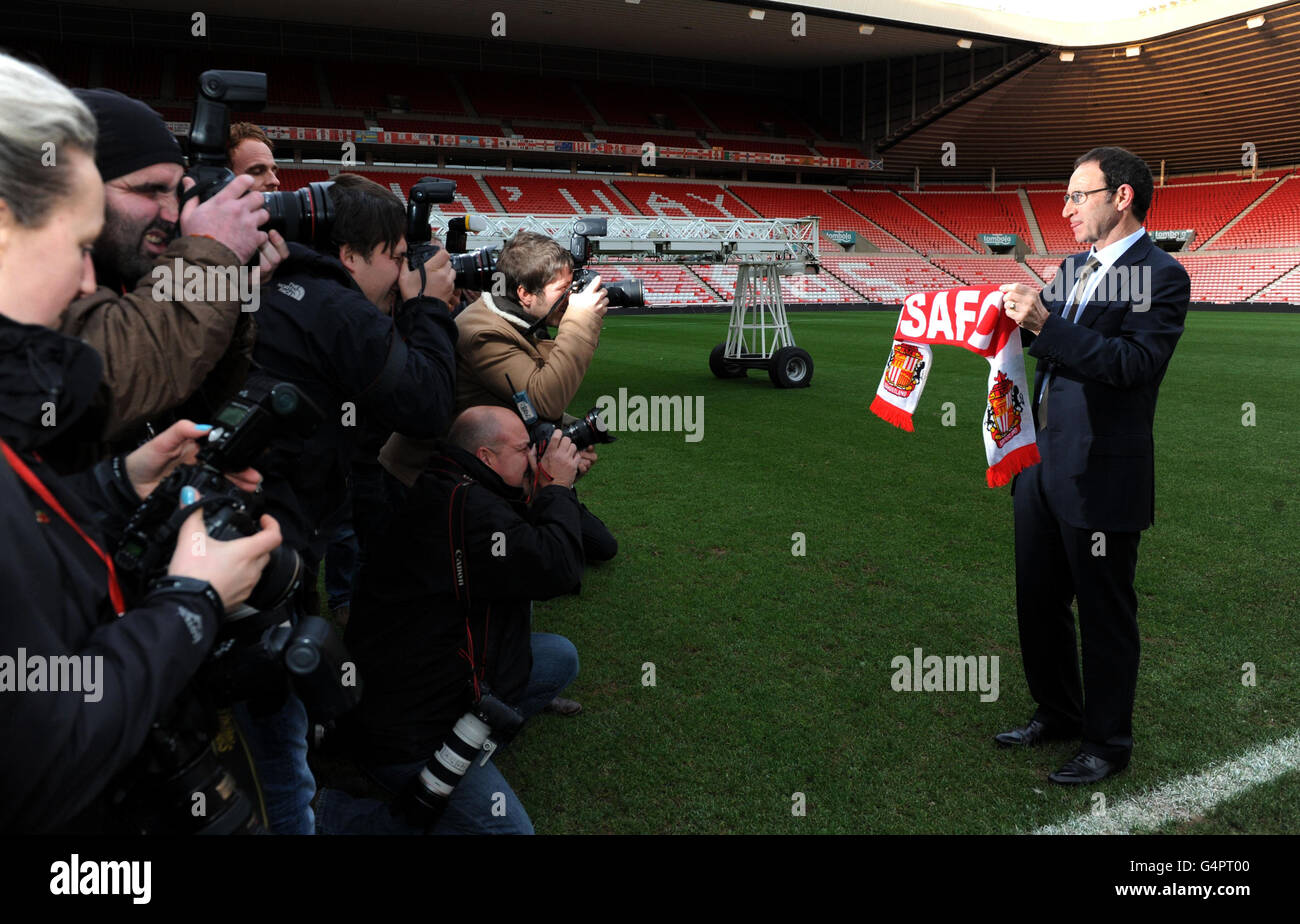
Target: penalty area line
1190 796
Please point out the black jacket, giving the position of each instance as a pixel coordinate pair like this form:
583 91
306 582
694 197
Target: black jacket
61 750
411 636
365 370
1097 448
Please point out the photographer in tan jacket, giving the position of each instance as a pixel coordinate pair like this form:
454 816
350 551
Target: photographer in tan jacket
504 336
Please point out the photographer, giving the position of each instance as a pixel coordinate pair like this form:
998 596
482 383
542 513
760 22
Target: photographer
126 659
507 336
354 329
426 645
251 151
158 354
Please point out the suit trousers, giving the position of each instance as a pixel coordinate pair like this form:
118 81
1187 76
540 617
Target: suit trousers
1055 564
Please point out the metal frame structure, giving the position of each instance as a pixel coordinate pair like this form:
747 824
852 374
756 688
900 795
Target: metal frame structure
761 250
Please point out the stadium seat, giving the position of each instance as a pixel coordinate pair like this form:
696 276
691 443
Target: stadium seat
1275 222
683 200
800 202
901 220
531 195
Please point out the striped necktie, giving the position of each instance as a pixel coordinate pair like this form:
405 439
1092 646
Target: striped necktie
1076 298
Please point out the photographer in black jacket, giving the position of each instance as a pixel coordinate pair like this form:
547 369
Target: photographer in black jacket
354 329
428 635
84 671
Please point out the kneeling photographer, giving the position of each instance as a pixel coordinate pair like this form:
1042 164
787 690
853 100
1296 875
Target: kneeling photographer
441 628
504 339
84 671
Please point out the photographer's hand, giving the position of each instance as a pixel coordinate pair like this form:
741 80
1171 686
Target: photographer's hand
232 217
270 255
147 466
439 278
594 298
586 459
559 463
232 568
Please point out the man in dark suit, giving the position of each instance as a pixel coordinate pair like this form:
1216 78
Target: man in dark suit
1103 333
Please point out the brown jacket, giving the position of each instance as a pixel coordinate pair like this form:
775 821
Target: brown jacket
158 353
493 345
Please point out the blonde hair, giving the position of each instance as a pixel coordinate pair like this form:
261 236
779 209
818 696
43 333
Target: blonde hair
39 120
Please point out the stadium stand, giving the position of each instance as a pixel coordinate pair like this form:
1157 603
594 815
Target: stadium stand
638 138
768 145
1203 207
794 202
901 220
1286 289
1165 99
135 77
837 150
1275 222
683 200
439 126
632 105
292 178
549 132
470 196
530 195
1045 267
888 279
1047 206
985 271
303 119
365 86
969 214
800 288
1229 278
508 96
664 284
734 114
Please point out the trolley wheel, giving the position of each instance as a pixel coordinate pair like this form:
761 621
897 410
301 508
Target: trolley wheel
791 367
721 367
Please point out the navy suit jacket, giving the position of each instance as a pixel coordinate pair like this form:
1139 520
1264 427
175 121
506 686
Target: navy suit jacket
1098 459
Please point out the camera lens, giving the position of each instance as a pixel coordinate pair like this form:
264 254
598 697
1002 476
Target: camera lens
304 215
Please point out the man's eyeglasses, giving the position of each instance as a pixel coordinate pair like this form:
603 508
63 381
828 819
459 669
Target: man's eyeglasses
1079 196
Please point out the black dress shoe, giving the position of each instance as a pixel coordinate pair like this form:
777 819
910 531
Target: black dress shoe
1085 768
1033 733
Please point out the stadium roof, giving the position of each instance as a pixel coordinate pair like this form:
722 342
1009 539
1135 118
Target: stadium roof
725 29
1059 23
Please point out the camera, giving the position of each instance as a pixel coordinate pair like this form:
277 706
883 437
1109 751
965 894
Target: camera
305 215
473 269
585 432
194 756
627 293
489 724
242 429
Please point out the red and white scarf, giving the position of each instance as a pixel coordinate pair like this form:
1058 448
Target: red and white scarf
972 318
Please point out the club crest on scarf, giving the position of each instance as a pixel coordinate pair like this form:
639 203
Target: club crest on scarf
904 370
971 318
1002 418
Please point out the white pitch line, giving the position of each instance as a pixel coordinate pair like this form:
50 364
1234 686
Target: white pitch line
1190 796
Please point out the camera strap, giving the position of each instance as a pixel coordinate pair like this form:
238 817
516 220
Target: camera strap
28 476
460 580
394 366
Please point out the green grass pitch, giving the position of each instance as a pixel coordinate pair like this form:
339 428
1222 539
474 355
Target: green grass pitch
772 671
